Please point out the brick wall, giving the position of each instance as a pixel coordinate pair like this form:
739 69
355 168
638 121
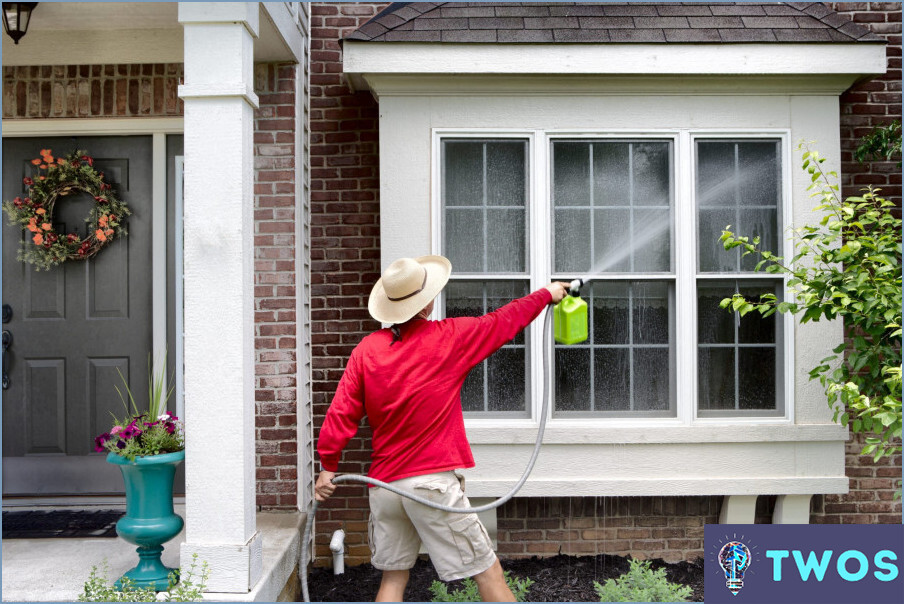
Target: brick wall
275 286
69 91
345 263
873 103
345 247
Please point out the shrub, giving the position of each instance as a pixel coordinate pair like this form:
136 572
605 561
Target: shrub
847 266
641 584
97 589
470 593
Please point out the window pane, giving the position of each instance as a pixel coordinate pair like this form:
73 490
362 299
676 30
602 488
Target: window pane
611 241
571 226
716 378
464 240
484 193
629 185
612 377
610 313
715 325
651 174
650 312
505 372
571 174
759 173
651 379
506 173
499 384
756 378
757 223
713 257
611 175
505 241
651 243
716 182
572 385
630 351
463 171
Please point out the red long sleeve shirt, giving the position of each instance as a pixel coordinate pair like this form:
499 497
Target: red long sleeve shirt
411 390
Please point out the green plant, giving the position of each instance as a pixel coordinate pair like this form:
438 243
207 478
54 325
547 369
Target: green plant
470 593
150 433
97 589
847 266
882 144
641 584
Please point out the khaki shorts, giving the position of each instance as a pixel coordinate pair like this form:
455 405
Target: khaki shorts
458 544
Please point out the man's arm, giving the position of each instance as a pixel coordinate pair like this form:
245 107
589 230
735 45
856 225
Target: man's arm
485 335
339 426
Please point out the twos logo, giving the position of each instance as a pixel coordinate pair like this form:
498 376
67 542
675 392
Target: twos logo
734 558
823 564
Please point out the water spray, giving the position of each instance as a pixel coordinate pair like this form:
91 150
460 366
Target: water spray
573 322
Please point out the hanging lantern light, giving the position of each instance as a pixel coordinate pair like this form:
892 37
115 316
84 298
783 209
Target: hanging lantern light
16 16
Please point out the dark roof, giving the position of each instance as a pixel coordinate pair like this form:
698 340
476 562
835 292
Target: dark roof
535 22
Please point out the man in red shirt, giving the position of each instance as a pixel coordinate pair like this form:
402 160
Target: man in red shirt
407 379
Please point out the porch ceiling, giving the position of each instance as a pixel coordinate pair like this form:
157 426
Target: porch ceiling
80 33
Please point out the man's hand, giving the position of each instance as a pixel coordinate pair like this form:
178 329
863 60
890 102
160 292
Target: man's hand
324 487
559 290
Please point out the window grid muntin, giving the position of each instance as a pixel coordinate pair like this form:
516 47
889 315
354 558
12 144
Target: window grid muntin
484 205
589 293
736 167
631 208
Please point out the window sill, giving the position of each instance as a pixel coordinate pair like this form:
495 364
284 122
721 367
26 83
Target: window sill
571 432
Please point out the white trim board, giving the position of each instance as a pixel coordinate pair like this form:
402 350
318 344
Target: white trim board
647 59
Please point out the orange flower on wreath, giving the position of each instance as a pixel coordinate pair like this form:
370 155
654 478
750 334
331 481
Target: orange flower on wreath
46 226
40 211
38 239
100 235
35 162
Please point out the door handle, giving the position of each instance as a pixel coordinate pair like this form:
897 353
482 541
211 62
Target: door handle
7 342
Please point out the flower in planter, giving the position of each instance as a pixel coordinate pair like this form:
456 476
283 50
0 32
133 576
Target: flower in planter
138 434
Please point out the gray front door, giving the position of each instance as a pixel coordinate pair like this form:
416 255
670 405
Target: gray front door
74 326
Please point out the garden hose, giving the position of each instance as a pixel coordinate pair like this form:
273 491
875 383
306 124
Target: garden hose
303 563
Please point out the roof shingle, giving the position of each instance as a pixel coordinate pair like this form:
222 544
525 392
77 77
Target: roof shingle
573 22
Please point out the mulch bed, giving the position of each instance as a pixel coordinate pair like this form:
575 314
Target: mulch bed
556 579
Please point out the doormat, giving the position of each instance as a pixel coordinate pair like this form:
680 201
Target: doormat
60 524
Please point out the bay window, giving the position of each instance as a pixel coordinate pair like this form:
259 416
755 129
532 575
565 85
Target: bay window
517 210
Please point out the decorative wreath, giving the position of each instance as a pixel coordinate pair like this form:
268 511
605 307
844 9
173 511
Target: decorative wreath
58 178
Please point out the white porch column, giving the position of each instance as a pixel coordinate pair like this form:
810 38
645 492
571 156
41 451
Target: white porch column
219 313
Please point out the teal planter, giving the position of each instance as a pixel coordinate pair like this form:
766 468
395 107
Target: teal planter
149 521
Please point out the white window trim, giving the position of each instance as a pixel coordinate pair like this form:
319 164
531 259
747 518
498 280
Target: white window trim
588 429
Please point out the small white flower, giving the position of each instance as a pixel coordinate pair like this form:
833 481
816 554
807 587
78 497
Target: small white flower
163 417
163 596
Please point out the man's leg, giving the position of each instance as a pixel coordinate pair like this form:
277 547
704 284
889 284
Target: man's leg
392 588
492 586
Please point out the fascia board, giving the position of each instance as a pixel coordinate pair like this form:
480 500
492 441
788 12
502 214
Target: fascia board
862 59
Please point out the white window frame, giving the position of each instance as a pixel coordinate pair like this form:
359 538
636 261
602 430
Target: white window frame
684 268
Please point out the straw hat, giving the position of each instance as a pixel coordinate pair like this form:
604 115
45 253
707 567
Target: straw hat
407 286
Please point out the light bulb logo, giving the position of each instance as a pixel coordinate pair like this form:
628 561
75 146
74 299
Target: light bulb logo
734 557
